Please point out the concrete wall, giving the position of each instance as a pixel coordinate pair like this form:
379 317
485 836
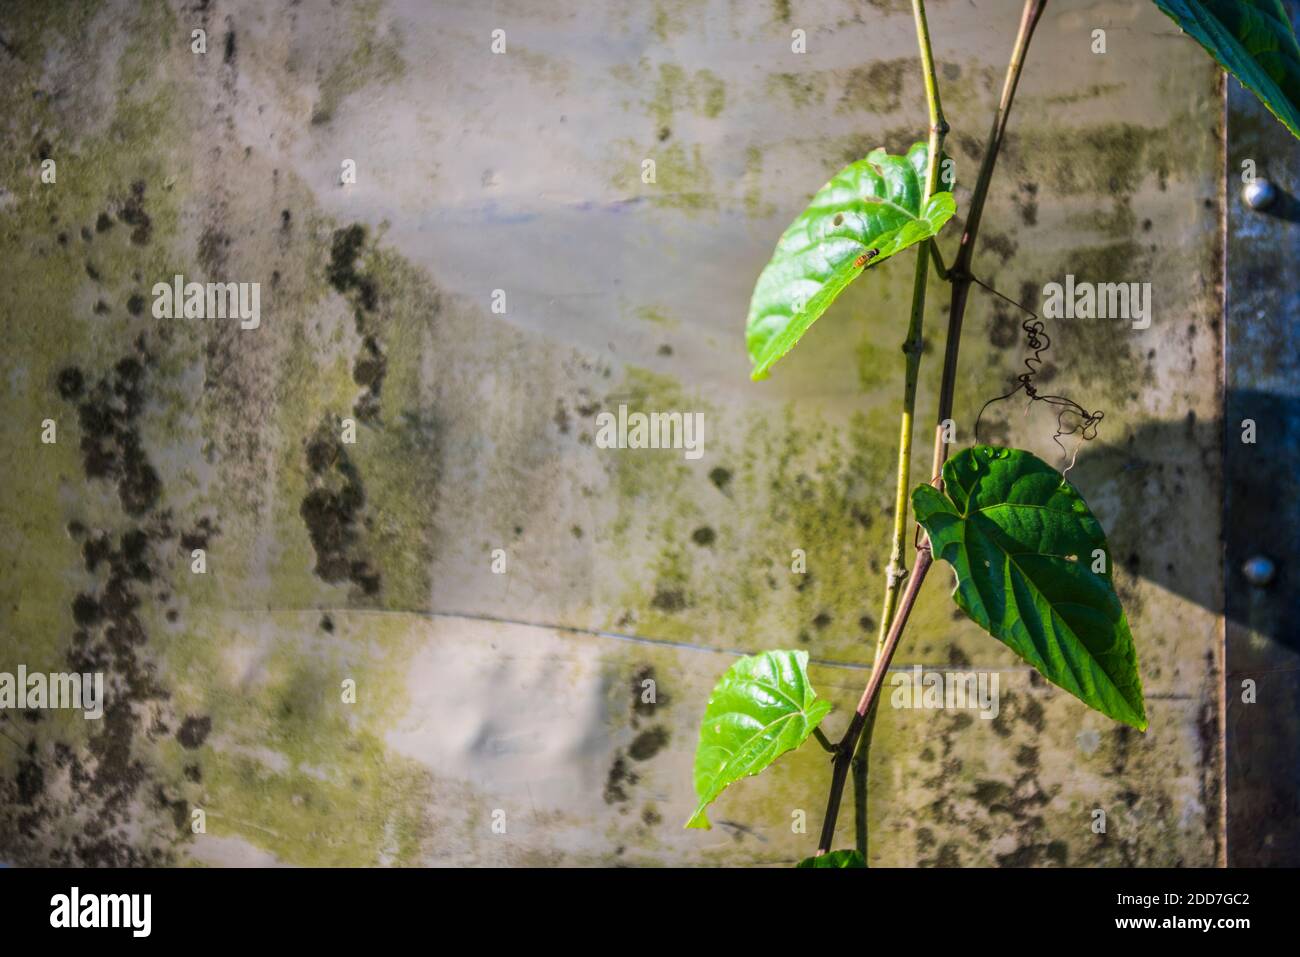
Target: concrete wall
521 691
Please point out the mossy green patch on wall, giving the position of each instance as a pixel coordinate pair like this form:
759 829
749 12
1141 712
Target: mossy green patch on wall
370 56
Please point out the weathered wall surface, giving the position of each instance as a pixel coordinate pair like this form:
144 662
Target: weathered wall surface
373 561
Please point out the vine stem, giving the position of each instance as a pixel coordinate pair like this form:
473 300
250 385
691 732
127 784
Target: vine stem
844 752
960 273
912 345
959 276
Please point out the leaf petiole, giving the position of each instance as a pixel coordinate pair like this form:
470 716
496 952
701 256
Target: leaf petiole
824 741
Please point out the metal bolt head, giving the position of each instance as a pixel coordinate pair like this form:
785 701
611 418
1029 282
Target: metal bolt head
1259 570
1259 194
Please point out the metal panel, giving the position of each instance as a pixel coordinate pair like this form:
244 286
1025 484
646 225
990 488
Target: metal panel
1262 489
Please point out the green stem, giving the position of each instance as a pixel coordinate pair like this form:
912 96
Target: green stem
897 569
912 345
936 257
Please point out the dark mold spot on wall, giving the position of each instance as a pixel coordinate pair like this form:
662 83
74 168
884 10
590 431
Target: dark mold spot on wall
342 273
999 244
133 214
877 87
369 371
345 274
647 695
332 510
110 442
618 780
669 599
194 731
71 382
1026 200
648 743
102 792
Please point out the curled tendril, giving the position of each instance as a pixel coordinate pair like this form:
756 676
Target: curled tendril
1071 418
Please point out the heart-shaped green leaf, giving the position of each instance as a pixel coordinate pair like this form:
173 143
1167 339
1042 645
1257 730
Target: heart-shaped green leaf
1033 570
1253 40
837 859
870 210
763 707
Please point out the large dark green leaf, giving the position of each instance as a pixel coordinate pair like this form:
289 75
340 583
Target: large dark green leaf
870 210
1253 40
836 859
1024 546
763 706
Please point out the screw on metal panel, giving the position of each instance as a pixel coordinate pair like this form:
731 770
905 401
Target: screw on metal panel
1259 570
1259 194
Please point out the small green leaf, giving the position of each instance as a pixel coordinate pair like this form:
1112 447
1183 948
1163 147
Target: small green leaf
870 210
1253 40
1033 570
763 707
835 859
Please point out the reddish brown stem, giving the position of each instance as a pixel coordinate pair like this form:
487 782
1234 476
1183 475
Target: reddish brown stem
960 277
960 273
844 750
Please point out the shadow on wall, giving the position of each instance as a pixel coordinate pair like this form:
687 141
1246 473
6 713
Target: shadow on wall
1261 517
1154 474
1150 475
